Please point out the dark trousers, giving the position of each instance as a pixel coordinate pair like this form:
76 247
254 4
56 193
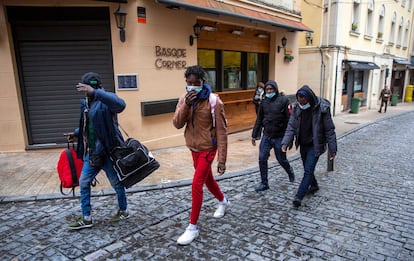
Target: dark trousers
266 144
383 102
309 161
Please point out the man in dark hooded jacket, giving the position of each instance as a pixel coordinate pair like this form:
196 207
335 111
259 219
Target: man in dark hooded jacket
97 133
272 117
312 127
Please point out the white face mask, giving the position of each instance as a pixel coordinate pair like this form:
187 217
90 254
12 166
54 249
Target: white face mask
304 107
197 89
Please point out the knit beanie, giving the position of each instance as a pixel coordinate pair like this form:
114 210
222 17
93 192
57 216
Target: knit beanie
92 78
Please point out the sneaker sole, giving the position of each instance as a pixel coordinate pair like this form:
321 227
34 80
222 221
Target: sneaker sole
187 243
220 216
77 228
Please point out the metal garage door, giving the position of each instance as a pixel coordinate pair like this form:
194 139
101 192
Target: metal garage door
54 47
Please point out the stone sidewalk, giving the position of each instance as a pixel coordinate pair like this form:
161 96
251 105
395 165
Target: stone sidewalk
364 210
32 174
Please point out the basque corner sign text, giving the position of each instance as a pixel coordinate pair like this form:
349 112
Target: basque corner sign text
170 58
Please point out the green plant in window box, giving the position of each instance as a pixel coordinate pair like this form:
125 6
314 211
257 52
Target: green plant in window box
288 58
354 27
379 35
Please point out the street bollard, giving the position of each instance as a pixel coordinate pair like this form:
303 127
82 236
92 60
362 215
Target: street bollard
330 163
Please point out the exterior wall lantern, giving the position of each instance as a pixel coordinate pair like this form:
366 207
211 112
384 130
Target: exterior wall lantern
196 29
284 41
309 38
120 17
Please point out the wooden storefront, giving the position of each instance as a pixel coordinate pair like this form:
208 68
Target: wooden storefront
238 101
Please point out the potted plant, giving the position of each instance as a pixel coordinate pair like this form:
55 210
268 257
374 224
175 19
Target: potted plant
288 58
354 26
379 35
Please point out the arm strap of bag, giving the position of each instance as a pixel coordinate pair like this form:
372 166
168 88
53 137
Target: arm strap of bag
213 100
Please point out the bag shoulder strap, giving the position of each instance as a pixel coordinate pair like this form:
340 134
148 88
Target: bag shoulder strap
213 100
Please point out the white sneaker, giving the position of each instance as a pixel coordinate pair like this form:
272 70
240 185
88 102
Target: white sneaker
188 236
221 210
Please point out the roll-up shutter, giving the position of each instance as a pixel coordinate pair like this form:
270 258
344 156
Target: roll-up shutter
52 55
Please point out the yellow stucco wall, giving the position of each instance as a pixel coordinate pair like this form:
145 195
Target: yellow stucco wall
165 28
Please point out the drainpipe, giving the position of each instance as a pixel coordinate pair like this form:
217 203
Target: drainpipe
336 80
329 73
322 76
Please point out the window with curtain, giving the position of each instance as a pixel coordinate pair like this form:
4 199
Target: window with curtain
392 31
407 33
400 32
356 9
380 34
370 18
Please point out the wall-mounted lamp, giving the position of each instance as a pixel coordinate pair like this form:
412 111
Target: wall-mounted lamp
120 17
196 29
262 36
208 28
309 38
237 32
284 41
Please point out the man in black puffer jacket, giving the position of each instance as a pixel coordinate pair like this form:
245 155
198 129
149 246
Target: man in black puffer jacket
273 117
313 129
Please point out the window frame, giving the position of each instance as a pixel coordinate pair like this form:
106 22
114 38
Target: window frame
262 71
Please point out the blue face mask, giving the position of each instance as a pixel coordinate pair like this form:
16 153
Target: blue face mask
305 106
270 95
197 89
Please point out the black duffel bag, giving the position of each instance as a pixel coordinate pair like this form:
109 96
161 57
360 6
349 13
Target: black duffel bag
133 162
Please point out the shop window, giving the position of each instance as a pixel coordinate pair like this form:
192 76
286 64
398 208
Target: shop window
233 70
207 60
358 81
344 84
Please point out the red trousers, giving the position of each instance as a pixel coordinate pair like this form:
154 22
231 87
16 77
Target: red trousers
203 175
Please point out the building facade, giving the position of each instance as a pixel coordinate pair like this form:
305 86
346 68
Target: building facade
47 45
356 49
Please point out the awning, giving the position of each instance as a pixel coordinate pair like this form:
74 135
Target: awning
356 65
221 8
402 61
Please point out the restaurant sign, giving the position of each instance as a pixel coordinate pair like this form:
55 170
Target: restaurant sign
170 58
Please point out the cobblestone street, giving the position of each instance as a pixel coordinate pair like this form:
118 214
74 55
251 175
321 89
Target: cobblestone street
364 210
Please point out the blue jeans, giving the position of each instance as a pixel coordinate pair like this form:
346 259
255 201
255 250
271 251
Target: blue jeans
88 174
266 144
309 161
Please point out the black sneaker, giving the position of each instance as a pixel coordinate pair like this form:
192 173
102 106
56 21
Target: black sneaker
261 187
313 189
297 202
291 175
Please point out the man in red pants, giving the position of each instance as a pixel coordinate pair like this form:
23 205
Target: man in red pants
202 114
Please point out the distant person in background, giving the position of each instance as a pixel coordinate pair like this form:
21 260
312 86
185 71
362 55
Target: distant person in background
384 98
312 127
258 95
